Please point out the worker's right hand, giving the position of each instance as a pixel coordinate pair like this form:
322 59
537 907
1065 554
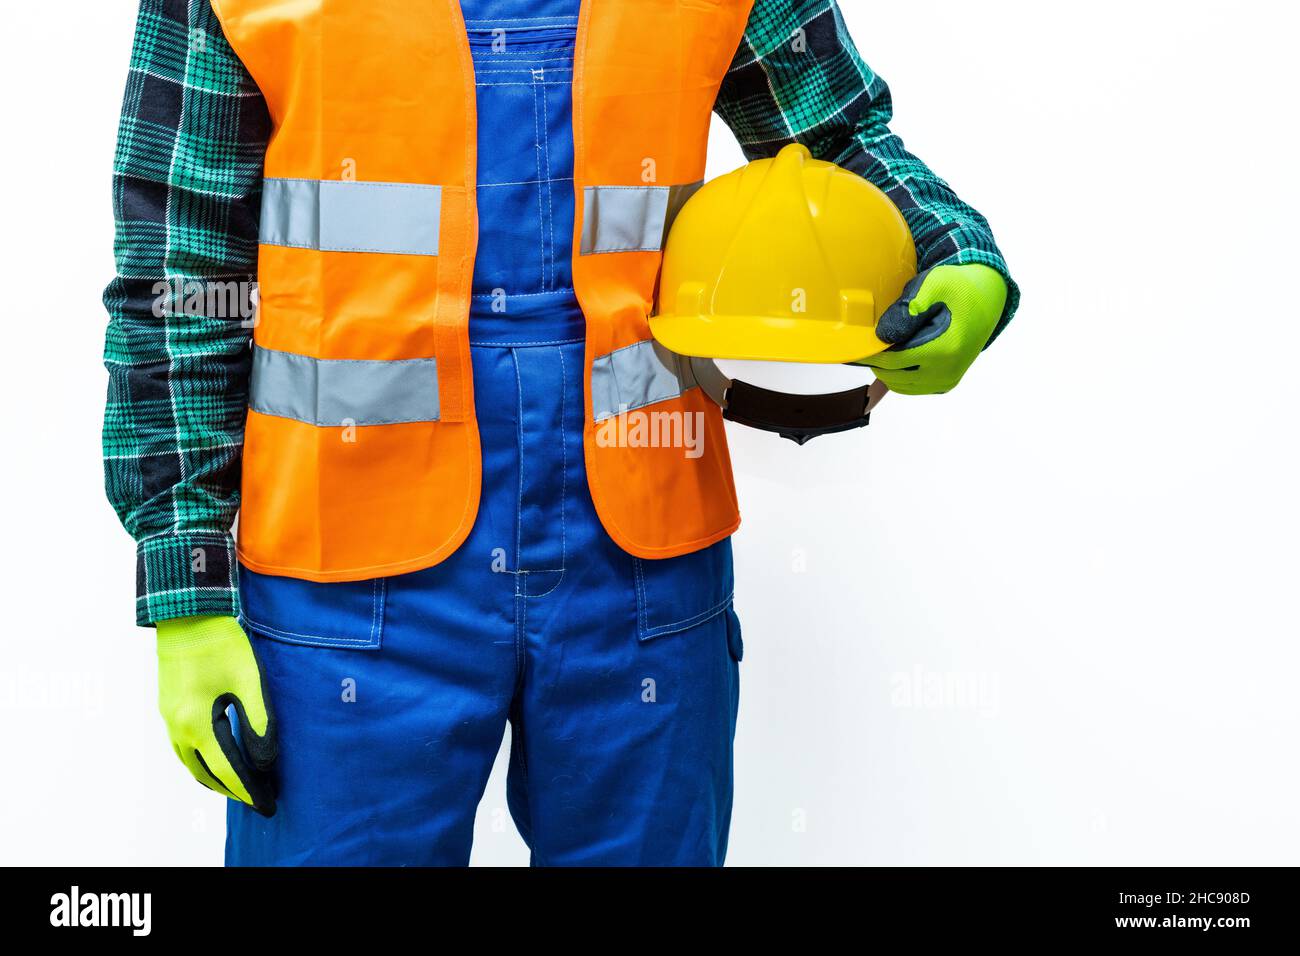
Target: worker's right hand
206 664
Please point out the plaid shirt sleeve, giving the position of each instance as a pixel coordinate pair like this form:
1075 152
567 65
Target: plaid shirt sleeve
797 78
186 195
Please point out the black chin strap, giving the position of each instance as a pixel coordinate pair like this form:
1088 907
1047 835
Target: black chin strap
796 417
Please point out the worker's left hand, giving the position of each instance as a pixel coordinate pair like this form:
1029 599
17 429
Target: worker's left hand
938 327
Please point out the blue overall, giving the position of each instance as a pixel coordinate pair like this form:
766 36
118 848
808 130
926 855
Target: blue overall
618 676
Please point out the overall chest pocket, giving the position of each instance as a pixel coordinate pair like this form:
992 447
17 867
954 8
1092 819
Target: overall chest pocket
343 615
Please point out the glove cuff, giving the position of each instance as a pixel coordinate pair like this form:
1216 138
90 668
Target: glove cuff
178 635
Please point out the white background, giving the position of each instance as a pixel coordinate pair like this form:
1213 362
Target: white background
1083 558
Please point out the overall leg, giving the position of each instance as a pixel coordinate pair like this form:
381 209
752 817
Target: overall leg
391 695
625 719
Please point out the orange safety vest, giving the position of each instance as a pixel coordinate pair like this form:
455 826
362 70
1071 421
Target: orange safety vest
361 450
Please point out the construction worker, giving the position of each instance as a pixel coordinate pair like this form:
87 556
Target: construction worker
454 215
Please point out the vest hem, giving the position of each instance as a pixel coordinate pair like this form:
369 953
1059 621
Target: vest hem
667 551
356 574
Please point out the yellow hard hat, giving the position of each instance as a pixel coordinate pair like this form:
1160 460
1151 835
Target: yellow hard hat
789 259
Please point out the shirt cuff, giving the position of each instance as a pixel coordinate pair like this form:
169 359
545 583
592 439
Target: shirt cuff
185 574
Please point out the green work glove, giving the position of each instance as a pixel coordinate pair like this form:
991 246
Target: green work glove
206 664
944 318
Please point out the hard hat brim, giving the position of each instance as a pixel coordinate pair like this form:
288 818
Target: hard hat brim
765 339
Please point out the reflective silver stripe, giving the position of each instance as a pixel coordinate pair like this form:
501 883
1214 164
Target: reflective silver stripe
333 392
630 218
336 216
638 375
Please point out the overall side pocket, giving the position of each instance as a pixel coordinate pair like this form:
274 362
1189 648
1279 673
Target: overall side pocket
343 615
676 594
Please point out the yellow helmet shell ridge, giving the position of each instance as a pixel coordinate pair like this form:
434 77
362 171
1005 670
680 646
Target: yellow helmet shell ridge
789 259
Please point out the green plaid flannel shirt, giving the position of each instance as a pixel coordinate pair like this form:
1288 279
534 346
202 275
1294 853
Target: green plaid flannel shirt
186 190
